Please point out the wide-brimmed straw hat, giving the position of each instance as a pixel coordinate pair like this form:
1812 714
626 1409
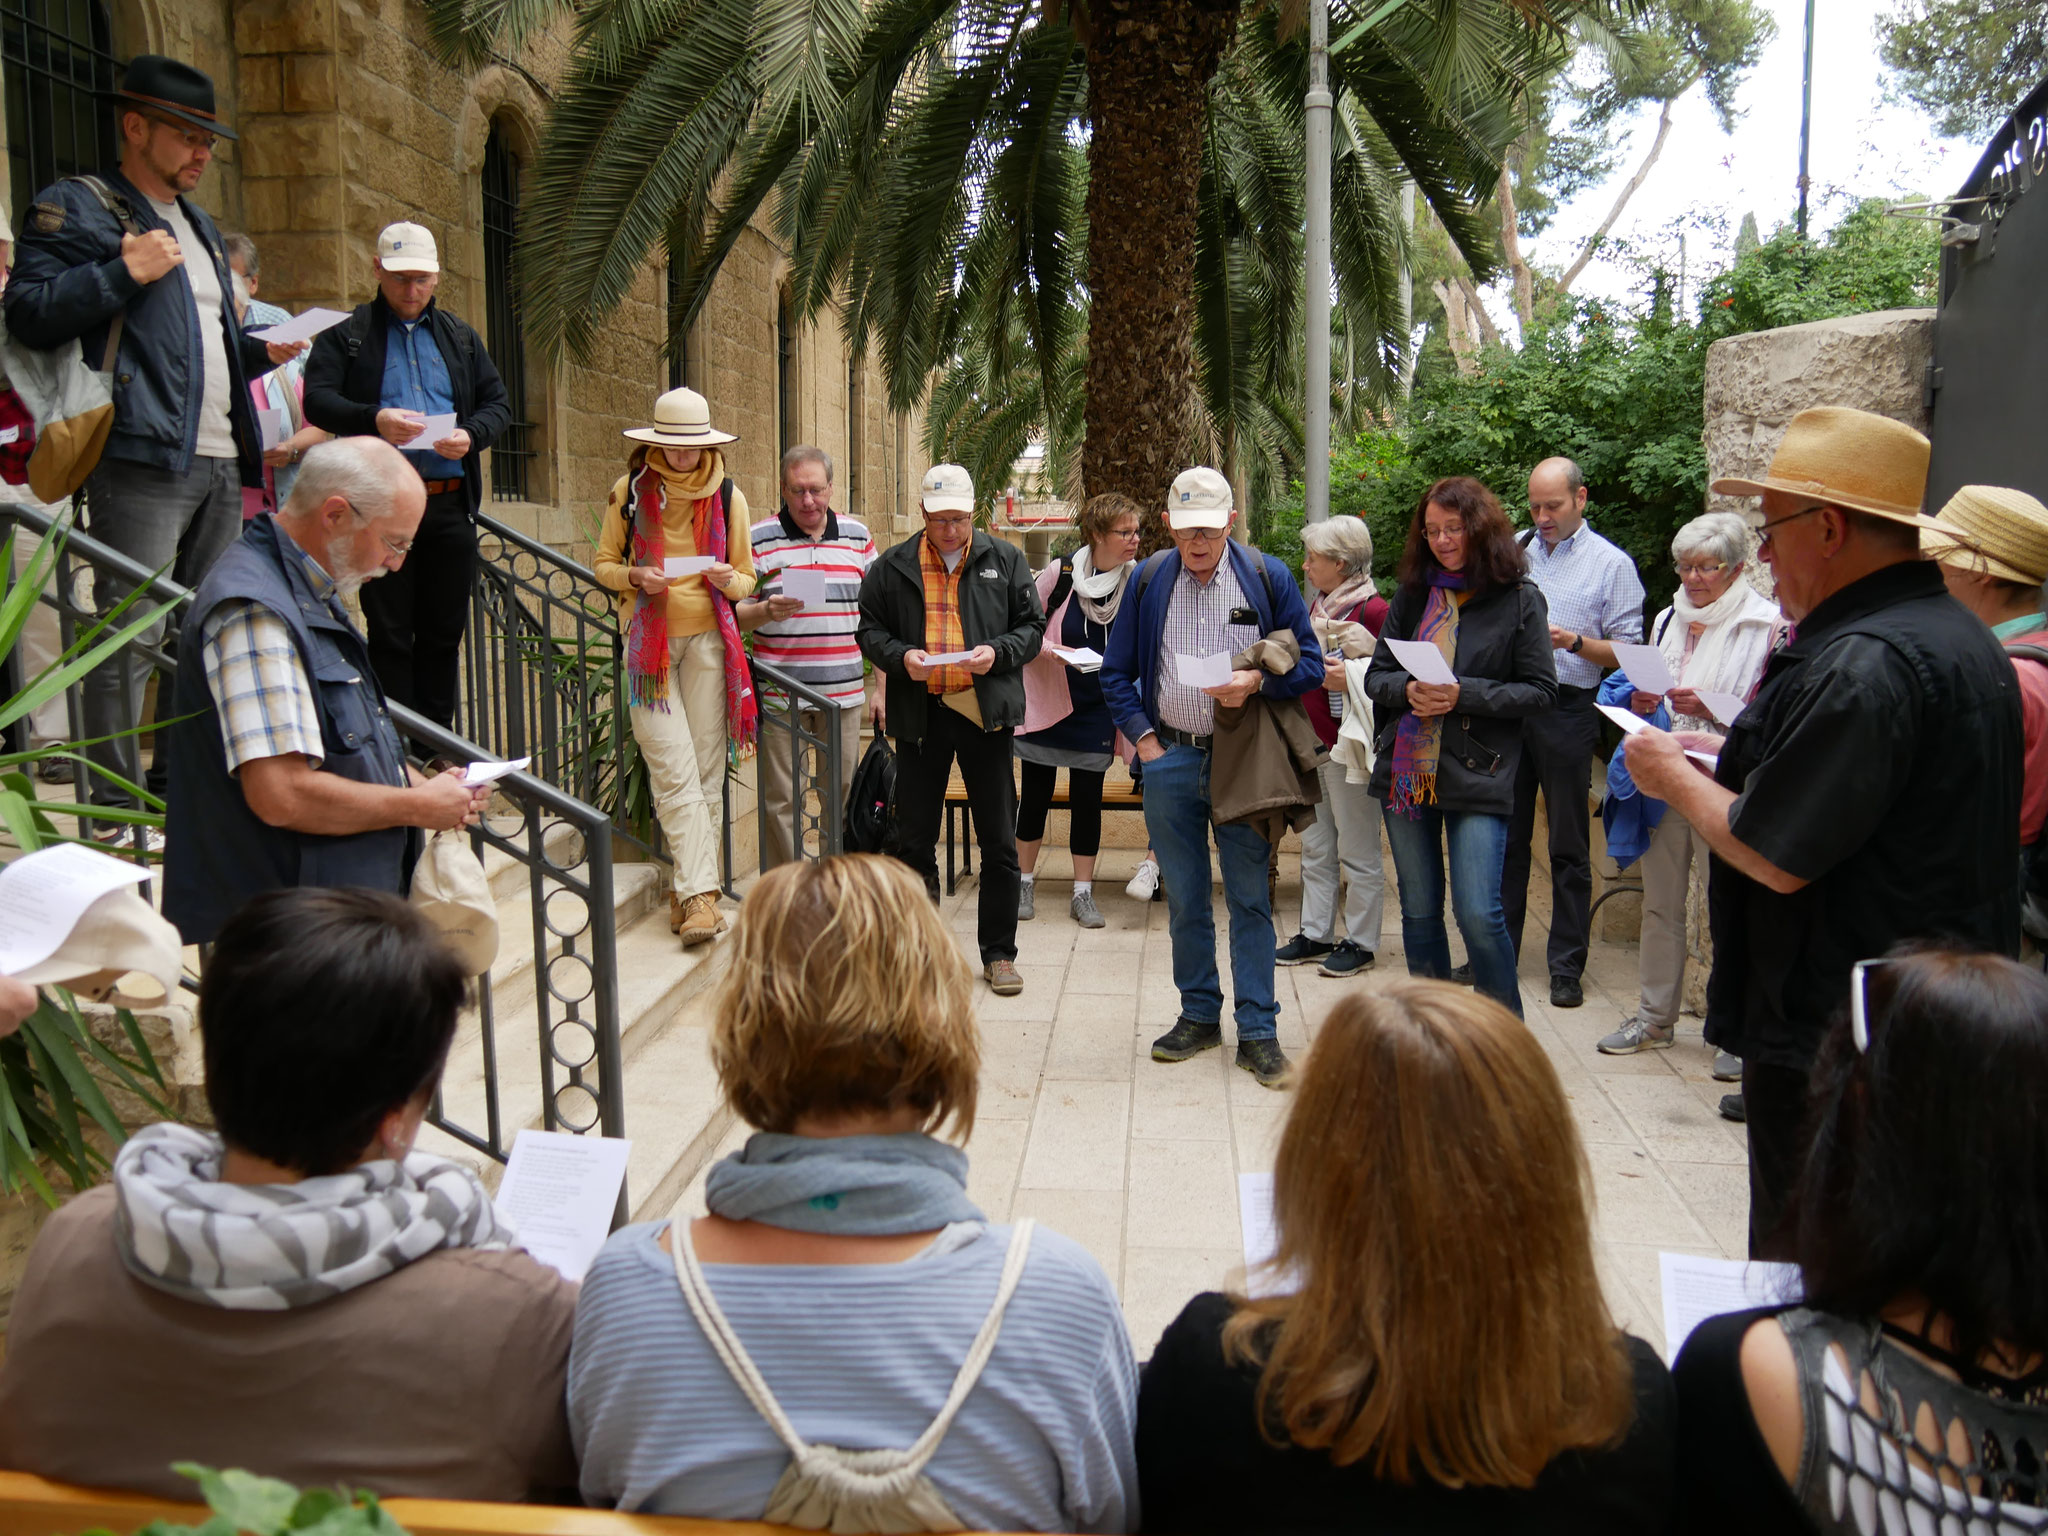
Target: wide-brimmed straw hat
682 419
1842 458
1994 530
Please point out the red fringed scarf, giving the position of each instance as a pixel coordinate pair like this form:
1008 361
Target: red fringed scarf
647 653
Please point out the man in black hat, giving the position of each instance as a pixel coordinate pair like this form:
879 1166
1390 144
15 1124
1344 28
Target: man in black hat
129 250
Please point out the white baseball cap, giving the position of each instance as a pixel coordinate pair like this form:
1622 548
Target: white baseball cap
407 248
1200 498
947 488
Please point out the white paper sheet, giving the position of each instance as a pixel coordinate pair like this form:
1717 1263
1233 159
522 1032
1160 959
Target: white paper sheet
1647 670
1203 671
272 425
560 1192
43 895
1261 1236
303 326
436 428
1725 706
1422 661
949 659
686 565
807 584
1696 1289
1081 658
484 773
1631 722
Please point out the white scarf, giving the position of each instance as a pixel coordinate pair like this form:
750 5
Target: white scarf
1100 593
1732 649
271 1247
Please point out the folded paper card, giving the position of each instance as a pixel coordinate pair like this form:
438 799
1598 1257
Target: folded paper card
484 773
949 659
1647 670
1631 722
303 326
1203 671
1081 658
436 429
1422 661
808 585
1725 706
273 426
679 566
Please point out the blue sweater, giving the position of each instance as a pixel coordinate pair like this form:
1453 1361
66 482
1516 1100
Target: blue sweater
1130 668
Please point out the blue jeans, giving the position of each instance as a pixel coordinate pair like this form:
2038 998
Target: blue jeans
1478 848
1177 819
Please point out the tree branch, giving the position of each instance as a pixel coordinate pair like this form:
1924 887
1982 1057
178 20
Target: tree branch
1488 331
1635 182
1511 247
1457 325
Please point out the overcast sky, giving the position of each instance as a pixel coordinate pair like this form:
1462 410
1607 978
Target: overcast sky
1703 183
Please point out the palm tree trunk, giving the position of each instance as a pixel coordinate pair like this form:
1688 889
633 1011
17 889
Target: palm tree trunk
1149 67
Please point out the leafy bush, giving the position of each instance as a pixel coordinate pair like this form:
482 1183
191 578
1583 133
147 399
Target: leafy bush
262 1506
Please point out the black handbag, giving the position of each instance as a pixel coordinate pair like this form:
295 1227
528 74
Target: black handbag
871 800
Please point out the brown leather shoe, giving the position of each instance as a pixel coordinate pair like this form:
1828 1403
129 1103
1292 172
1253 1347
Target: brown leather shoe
1003 978
700 922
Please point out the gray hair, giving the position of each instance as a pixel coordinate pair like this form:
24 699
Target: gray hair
804 453
234 244
366 472
1722 535
1344 539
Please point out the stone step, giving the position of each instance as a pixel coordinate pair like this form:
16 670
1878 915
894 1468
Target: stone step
636 889
508 876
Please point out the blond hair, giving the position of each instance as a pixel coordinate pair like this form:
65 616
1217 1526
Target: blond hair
846 995
1432 1195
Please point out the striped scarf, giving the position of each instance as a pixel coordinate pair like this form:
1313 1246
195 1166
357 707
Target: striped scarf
1419 740
647 644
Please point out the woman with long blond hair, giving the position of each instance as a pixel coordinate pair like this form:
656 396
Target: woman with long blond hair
1439 1357
845 1341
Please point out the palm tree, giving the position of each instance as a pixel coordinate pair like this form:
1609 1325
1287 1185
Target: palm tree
955 169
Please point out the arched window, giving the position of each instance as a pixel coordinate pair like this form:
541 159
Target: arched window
512 468
785 372
59 73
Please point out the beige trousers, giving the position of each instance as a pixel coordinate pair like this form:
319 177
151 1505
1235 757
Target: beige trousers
776 760
1666 867
685 752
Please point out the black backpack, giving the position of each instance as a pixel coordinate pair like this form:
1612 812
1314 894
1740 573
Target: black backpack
871 800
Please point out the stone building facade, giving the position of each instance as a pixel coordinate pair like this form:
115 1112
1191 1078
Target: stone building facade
347 122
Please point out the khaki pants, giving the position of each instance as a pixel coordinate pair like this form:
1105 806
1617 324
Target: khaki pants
1666 867
685 752
41 644
776 761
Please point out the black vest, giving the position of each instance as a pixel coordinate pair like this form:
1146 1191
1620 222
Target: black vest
218 853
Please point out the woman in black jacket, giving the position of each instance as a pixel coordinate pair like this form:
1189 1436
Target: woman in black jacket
1448 752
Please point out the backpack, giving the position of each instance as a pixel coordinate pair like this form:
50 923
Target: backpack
871 800
2033 857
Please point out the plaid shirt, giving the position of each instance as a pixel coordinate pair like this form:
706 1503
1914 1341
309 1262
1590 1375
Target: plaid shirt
943 634
1592 588
258 685
1198 624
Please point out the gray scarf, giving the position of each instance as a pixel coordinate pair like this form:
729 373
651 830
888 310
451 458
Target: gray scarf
863 1186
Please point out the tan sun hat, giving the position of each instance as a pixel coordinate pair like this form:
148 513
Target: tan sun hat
1994 530
1844 458
682 419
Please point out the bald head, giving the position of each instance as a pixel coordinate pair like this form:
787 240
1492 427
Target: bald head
354 508
1557 499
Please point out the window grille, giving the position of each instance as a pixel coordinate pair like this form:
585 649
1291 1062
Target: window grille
59 68
512 455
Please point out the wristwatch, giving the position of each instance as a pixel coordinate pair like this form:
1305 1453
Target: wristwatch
1578 644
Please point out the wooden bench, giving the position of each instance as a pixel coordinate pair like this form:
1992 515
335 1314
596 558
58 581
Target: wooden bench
1117 795
34 1506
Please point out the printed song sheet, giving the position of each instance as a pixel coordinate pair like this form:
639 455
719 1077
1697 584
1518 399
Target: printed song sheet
560 1192
1422 661
1647 670
303 326
1081 658
1696 1289
1261 1237
43 895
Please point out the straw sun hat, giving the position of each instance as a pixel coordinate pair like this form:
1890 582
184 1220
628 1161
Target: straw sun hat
1843 458
1994 531
682 419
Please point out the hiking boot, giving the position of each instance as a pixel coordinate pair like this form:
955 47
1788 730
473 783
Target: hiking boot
1732 1108
56 770
1461 975
698 921
1347 959
1301 950
1565 992
1144 884
1264 1060
1027 901
1084 910
1004 979
1634 1035
1187 1038
1727 1067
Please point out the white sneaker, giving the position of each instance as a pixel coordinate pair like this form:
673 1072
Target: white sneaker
1145 883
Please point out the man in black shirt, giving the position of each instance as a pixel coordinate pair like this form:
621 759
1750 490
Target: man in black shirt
1869 793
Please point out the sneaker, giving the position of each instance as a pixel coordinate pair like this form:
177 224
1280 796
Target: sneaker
120 842
1301 950
1027 901
56 770
1187 1038
1727 1067
1731 1108
1264 1060
1144 885
1346 959
1565 992
1634 1035
1084 910
1004 979
1462 975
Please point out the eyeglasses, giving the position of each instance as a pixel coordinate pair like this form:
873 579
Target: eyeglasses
1859 1003
1125 533
1703 572
962 521
1444 535
1763 534
399 547
195 138
1201 535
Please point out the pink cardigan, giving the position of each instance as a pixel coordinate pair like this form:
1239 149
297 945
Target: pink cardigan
1046 700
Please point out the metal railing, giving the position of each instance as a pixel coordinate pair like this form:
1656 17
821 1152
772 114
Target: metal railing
564 846
817 771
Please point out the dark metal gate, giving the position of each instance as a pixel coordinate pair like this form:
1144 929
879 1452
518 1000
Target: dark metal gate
59 67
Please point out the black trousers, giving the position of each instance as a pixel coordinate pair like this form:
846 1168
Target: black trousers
1557 758
417 613
922 771
1774 1112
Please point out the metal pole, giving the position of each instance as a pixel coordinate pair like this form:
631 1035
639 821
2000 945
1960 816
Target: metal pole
1805 119
1316 279
1407 284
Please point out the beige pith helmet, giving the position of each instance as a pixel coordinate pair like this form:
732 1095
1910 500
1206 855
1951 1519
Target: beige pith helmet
1844 458
1993 530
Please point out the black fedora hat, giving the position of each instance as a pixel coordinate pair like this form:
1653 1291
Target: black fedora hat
173 88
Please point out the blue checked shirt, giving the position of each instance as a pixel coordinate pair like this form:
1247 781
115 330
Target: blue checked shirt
258 685
1593 590
1197 624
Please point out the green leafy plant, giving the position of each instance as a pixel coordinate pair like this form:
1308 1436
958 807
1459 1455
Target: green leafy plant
244 1504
